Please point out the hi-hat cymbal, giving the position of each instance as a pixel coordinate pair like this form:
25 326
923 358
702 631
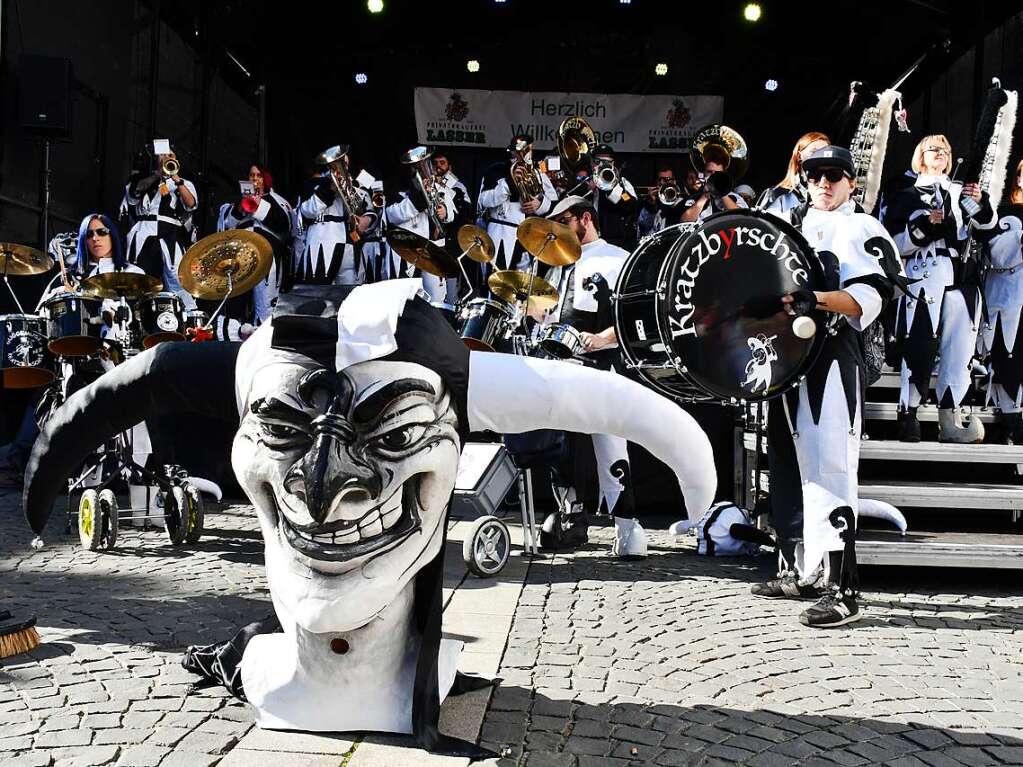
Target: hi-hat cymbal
21 260
552 243
513 286
117 284
244 254
476 244
422 253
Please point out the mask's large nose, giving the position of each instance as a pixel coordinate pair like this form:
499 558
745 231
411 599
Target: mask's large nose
331 472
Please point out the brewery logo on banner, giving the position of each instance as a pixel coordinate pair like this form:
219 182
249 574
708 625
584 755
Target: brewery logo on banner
676 132
628 122
453 129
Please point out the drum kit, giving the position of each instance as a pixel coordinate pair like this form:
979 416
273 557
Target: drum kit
107 318
498 322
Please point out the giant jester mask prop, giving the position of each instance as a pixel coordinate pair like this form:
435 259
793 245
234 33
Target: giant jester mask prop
353 407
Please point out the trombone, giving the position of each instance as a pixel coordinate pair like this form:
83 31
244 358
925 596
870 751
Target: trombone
170 167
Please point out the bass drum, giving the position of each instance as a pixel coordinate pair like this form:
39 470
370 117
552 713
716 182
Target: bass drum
24 358
719 306
642 349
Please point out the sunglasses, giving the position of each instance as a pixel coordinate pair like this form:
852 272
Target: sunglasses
833 175
101 232
937 149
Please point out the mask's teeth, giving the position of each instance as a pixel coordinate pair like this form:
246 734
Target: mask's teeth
371 526
390 517
342 537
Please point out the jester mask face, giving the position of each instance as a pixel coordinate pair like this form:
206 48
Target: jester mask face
350 473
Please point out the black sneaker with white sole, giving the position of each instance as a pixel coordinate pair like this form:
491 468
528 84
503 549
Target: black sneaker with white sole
786 586
832 609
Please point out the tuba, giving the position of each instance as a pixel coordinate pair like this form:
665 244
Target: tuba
418 158
527 182
721 144
575 142
334 159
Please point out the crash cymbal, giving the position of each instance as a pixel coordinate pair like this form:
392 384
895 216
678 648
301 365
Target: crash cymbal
552 243
476 244
513 286
21 260
422 253
116 284
204 269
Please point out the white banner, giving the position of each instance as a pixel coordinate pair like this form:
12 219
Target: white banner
629 123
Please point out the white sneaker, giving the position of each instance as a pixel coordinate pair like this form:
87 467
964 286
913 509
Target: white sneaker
680 528
630 540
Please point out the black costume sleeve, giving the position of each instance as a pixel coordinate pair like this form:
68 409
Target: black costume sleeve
325 191
146 184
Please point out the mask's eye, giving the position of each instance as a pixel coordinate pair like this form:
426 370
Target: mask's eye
281 436
399 439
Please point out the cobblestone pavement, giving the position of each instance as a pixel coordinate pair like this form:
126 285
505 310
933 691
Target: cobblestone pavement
670 662
663 662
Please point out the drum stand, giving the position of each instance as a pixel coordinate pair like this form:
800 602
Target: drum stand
230 289
10 290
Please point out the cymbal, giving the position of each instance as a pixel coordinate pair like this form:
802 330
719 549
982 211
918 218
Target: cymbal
21 260
116 284
552 243
513 286
204 269
476 244
422 253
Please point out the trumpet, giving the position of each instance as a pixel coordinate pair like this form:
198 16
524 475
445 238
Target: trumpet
170 167
669 195
377 199
605 176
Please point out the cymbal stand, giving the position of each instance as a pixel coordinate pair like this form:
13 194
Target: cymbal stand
532 274
476 243
10 290
230 290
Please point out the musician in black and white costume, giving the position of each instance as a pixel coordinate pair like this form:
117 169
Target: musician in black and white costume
579 307
1000 336
654 215
617 205
708 201
931 232
791 192
503 208
378 261
464 213
328 256
411 210
268 214
814 430
161 206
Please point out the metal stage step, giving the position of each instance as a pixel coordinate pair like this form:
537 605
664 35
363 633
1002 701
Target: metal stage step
928 549
893 450
886 411
945 495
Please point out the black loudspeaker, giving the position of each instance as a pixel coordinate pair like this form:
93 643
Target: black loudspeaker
44 95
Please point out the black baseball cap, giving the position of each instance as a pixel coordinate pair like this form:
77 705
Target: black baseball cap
831 156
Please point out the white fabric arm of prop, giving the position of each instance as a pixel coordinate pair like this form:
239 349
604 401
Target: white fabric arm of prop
510 394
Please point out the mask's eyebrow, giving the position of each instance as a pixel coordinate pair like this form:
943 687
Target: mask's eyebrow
373 405
271 407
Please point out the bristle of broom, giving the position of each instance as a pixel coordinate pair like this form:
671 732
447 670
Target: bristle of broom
19 642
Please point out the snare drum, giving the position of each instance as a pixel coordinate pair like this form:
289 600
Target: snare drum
161 317
486 322
24 358
561 341
70 325
689 312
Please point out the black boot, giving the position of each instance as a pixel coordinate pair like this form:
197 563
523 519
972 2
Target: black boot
909 426
565 531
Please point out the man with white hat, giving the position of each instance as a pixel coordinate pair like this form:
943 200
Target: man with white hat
584 304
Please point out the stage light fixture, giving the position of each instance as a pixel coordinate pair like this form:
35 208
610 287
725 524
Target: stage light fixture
625 2
771 85
752 12
661 69
375 6
360 78
472 65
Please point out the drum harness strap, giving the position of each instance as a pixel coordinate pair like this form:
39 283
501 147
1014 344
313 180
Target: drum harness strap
162 219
